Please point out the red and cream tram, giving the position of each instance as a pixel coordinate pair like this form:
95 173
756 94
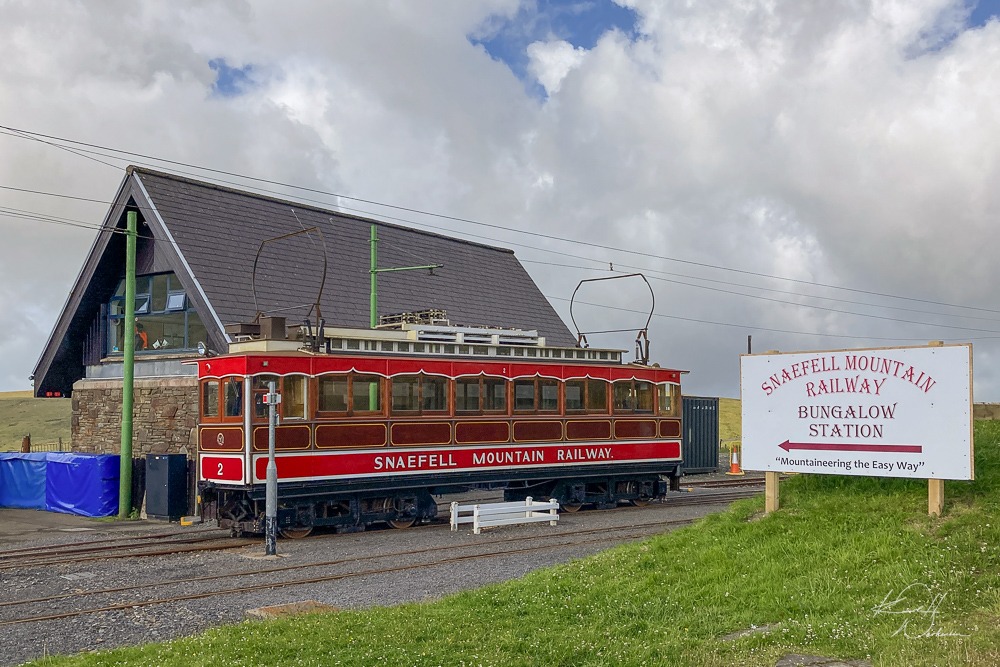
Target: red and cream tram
375 423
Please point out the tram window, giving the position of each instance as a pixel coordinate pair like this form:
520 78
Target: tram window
234 397
332 390
633 396
574 395
597 396
549 393
433 394
366 393
624 397
260 387
524 396
406 393
293 397
494 395
666 394
210 399
467 395
644 397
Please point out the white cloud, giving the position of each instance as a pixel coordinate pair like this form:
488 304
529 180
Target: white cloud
854 144
551 61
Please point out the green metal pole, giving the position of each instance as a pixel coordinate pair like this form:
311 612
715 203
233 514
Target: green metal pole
128 379
373 298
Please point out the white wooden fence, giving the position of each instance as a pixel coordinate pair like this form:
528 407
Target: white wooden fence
504 514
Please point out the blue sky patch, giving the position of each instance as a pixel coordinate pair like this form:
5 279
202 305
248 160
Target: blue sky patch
983 11
579 22
230 81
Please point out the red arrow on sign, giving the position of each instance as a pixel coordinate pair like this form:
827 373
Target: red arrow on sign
830 447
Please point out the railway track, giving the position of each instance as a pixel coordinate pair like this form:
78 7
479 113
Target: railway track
451 553
181 542
101 550
719 483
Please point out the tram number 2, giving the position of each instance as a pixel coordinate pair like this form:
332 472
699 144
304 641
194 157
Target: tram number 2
228 469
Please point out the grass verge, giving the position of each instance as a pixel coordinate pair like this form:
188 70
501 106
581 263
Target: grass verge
46 419
850 567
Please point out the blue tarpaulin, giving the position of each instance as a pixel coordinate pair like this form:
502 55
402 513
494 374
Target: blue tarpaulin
22 480
83 484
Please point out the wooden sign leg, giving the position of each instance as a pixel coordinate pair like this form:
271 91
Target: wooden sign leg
771 500
935 497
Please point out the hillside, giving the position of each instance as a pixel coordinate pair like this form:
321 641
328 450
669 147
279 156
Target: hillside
46 419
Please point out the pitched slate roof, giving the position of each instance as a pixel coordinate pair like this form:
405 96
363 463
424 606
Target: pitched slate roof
210 236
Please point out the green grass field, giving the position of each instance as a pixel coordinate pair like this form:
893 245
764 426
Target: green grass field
849 567
730 419
46 419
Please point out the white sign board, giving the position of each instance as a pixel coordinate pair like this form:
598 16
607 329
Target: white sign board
888 412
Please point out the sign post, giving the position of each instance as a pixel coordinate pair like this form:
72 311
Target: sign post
271 485
886 412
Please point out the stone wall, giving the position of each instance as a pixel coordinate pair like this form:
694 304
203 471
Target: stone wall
164 418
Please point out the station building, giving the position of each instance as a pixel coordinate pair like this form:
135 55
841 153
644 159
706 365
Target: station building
213 262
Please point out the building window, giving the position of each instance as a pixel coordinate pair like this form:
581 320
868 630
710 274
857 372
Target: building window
165 319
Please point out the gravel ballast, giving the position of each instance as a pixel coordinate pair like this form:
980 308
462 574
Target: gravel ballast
371 550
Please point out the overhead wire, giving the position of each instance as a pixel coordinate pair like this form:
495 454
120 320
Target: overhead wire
40 136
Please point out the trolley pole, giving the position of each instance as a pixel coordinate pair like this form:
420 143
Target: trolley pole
271 488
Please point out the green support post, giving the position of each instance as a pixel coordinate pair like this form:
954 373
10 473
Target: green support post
128 379
373 297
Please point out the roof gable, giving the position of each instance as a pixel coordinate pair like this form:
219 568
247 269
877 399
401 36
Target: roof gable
211 236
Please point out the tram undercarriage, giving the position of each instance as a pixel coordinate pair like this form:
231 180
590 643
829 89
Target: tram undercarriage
302 508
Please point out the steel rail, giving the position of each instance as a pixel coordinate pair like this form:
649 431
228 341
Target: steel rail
335 577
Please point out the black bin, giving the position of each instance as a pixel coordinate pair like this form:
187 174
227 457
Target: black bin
166 486
701 434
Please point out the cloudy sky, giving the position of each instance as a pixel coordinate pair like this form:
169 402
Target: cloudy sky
816 175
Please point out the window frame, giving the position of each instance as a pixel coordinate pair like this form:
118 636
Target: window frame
419 395
222 402
634 396
483 382
538 383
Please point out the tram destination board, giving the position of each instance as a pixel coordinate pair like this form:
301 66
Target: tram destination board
886 412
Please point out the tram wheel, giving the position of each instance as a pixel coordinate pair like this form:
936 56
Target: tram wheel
402 523
572 507
640 502
295 533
